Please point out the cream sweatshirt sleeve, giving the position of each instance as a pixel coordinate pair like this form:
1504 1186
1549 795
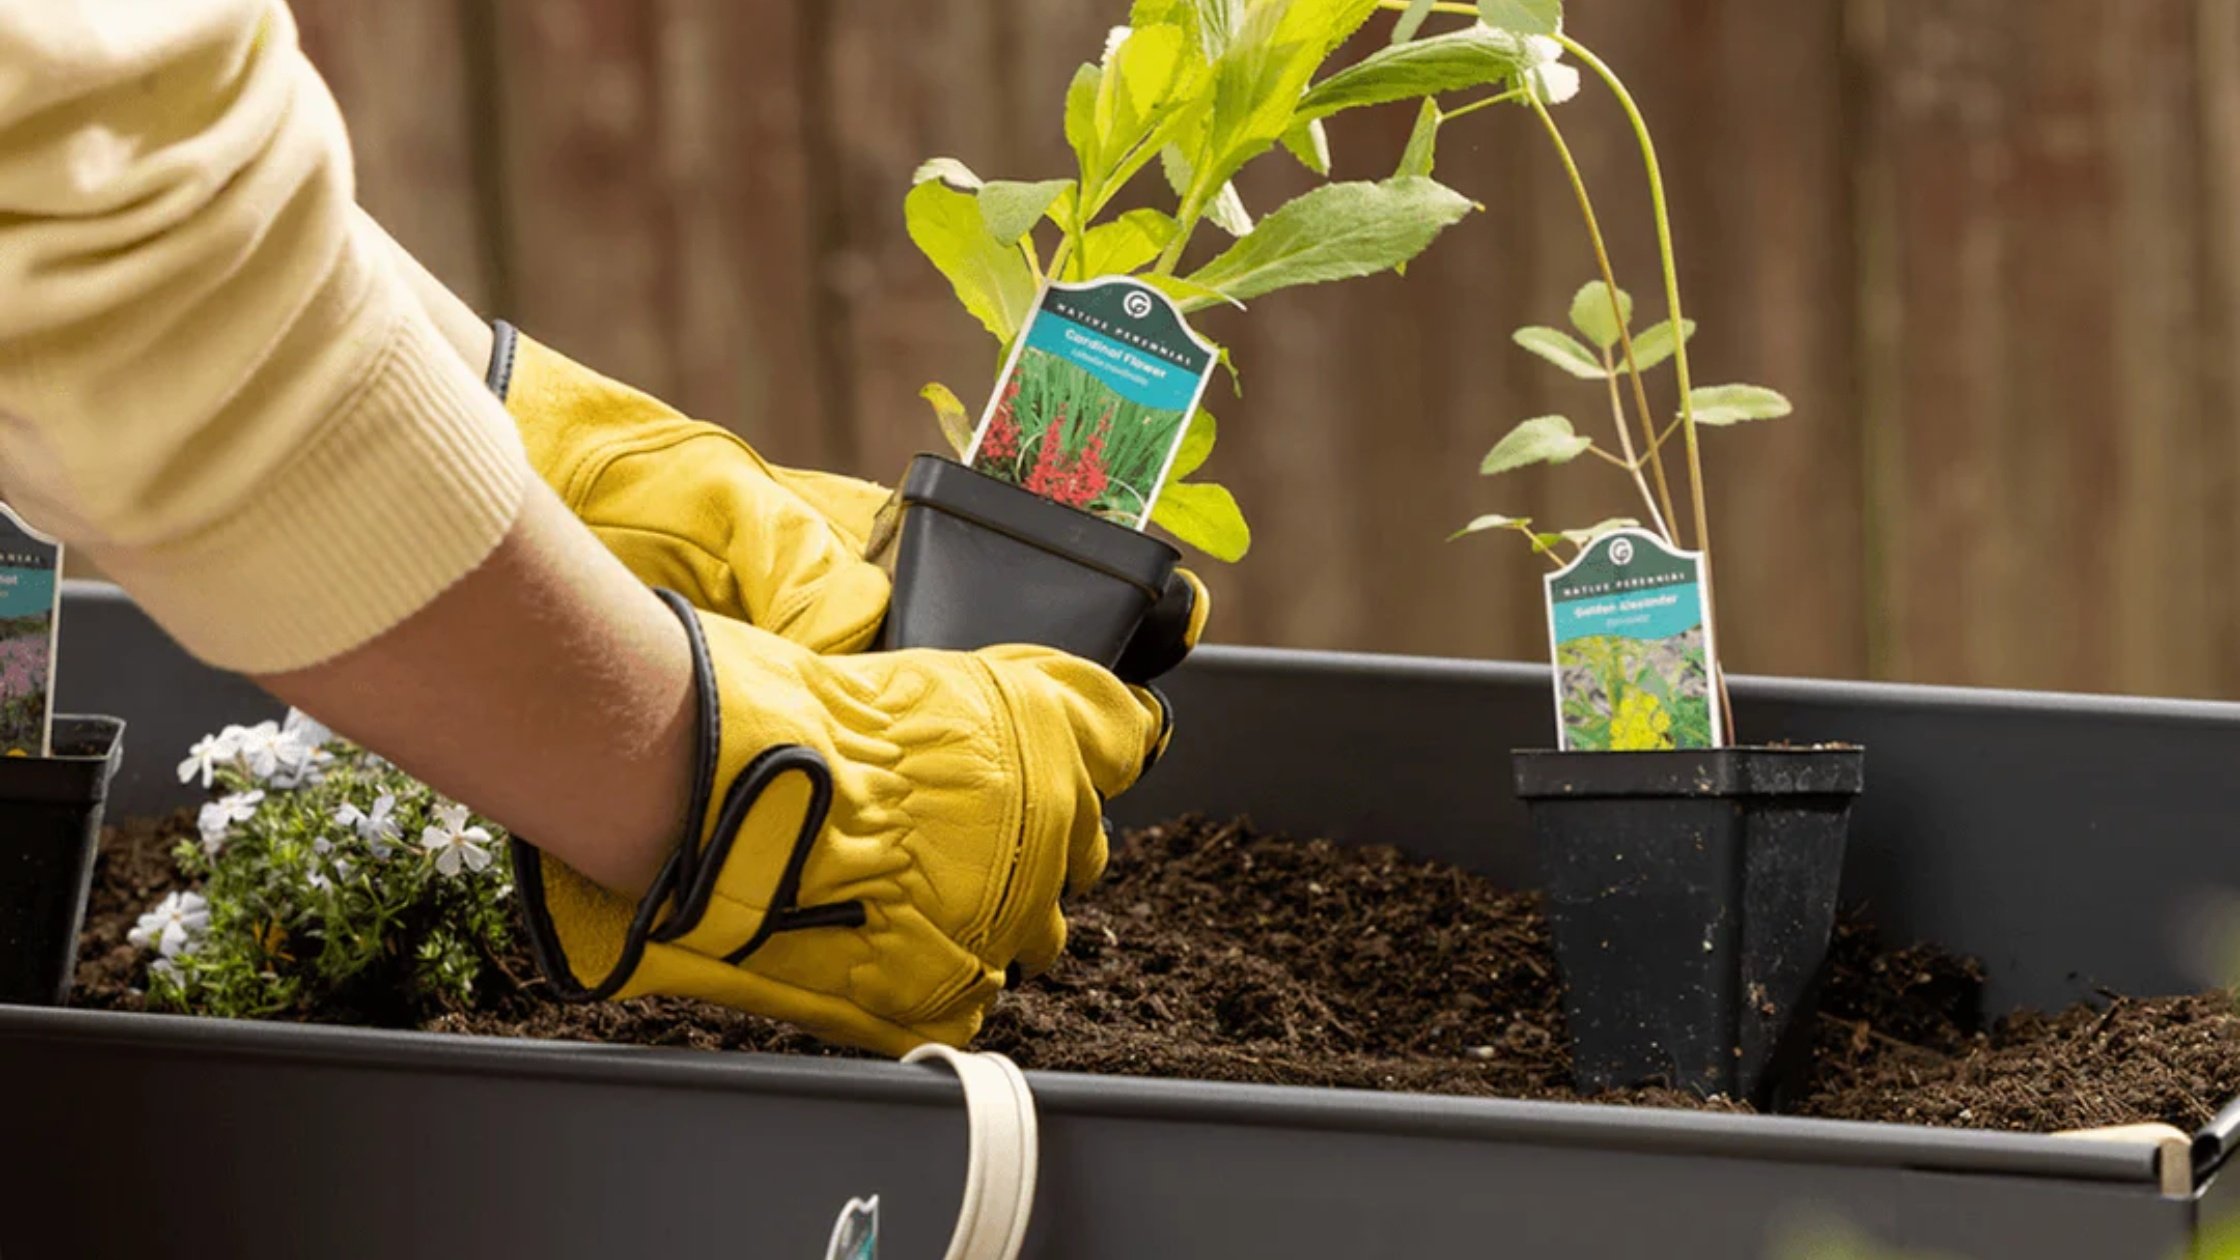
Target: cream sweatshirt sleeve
211 378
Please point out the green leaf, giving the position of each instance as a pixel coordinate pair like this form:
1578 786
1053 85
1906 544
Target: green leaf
1471 58
1309 141
1422 153
1012 208
1132 241
1321 24
1197 444
1657 344
1525 17
1411 21
1204 515
1175 164
1262 76
1189 294
949 171
1081 118
1563 350
1336 232
990 277
1138 86
1591 315
1228 212
1492 521
956 422
1542 440
1584 538
1733 404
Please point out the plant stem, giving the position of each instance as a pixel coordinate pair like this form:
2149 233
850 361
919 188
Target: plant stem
1633 463
1188 213
1625 335
1473 107
1680 343
1458 10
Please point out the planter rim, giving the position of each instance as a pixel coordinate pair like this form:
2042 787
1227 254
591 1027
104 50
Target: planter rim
1589 1125
1924 697
1114 550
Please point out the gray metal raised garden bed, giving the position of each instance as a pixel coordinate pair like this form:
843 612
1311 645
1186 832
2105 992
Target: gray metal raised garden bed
2062 840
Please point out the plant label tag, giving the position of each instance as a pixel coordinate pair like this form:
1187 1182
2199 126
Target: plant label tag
855 1236
1634 658
1094 403
30 614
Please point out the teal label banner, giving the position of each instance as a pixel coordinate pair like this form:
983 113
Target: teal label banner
1130 370
1652 614
26 592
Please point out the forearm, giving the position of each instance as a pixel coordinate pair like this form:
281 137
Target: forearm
548 689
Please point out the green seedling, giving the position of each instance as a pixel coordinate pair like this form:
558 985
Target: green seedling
1609 351
1200 89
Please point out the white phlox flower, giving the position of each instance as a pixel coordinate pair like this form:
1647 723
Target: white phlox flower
218 818
208 753
299 751
377 827
456 846
260 749
171 928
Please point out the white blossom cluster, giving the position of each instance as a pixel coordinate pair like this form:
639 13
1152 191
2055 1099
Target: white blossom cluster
279 758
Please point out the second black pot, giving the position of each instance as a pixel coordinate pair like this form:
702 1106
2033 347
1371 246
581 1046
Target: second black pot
1691 896
50 827
978 562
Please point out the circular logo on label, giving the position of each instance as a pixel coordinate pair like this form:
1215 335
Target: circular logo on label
1138 305
1621 551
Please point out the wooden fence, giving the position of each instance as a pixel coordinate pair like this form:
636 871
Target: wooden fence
1992 250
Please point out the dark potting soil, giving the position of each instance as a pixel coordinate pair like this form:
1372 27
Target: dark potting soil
1213 952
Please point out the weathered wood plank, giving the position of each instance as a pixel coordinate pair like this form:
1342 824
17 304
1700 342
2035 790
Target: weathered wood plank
2162 542
399 71
2217 61
1935 157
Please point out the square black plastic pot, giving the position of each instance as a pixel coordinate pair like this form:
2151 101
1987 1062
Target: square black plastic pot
1691 895
50 826
978 562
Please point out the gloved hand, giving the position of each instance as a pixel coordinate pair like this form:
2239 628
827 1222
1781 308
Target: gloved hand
691 507
875 840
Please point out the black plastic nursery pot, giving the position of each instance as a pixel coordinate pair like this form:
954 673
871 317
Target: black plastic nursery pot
2069 843
50 824
1691 895
978 562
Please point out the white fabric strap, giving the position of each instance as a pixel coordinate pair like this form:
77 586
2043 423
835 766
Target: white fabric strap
1004 1154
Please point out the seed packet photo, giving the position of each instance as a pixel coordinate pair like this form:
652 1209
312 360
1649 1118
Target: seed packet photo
1633 652
1094 403
29 567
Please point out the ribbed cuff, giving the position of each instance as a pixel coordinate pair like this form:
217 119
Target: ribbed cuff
409 486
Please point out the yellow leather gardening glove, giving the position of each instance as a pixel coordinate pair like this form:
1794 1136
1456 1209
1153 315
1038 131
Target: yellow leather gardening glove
876 839
691 507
